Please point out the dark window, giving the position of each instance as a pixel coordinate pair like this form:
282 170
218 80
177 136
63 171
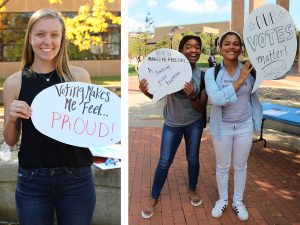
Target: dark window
13 30
12 35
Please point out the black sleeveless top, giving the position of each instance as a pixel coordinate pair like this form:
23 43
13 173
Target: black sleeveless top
38 150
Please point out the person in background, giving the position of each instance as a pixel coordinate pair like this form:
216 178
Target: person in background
211 60
138 63
53 177
235 113
181 118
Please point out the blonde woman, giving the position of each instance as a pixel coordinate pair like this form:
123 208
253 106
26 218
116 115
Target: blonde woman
53 177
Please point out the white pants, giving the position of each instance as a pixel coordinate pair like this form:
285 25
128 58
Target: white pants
235 144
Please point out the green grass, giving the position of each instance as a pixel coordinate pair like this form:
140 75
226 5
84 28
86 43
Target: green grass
131 70
203 63
2 82
107 80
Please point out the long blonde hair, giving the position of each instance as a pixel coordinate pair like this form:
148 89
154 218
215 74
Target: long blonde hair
61 61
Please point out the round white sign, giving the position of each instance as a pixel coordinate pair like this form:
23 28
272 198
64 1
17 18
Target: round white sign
166 71
270 40
79 114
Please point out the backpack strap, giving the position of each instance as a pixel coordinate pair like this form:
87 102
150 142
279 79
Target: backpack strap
253 73
216 71
218 67
202 85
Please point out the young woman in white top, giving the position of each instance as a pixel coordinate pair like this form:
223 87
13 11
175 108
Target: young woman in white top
235 113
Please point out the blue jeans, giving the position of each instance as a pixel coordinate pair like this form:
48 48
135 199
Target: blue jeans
171 138
67 191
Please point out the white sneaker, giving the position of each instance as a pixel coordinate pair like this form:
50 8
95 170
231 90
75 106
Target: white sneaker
240 210
219 208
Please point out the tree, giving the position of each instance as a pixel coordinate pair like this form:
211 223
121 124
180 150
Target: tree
144 35
148 22
163 43
92 19
208 43
2 4
134 47
55 1
85 28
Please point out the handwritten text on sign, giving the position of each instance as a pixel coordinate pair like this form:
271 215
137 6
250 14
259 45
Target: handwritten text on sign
270 40
166 72
79 114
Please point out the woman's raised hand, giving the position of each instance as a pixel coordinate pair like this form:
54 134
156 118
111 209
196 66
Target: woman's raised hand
189 90
246 70
143 86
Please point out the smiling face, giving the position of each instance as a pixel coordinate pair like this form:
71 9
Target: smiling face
192 50
45 38
230 47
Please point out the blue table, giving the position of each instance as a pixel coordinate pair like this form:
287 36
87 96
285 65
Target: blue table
279 113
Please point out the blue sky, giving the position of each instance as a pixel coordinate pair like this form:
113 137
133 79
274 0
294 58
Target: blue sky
180 12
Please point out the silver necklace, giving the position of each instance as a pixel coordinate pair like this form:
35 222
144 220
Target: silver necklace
45 78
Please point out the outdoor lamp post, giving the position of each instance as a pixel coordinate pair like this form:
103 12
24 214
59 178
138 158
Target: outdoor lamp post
171 34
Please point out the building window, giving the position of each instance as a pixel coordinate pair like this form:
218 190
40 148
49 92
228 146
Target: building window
12 35
109 50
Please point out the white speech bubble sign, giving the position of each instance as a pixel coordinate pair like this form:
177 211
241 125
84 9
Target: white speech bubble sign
79 114
166 71
270 40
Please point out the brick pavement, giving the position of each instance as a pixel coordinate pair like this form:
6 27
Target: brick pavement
272 193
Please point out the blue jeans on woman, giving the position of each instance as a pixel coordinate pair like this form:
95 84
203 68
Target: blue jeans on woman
69 192
171 138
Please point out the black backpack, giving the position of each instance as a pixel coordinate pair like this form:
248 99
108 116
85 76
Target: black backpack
202 86
218 67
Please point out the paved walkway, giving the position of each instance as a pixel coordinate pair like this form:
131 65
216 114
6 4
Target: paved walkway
291 82
272 193
272 190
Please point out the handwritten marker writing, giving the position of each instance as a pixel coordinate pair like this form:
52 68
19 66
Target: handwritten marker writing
79 114
270 40
166 71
